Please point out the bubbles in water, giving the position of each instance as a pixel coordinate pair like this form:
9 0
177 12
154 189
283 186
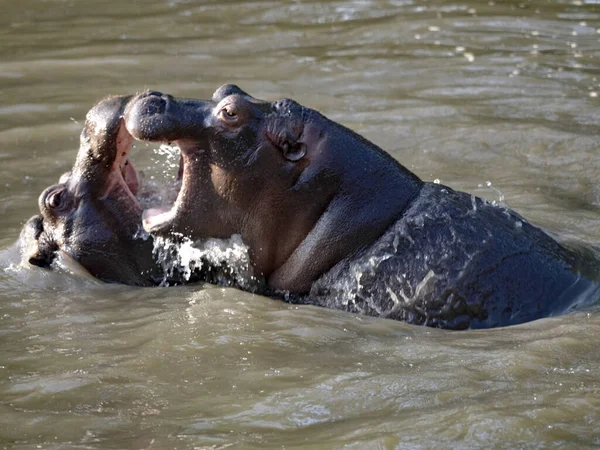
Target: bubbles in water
171 153
500 202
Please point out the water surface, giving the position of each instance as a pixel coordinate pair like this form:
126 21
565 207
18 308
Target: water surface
495 98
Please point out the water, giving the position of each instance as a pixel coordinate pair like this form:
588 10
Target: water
467 93
228 258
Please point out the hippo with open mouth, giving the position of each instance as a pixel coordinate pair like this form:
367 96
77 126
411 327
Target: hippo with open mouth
333 220
92 215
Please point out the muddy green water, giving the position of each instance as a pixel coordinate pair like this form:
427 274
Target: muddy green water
506 92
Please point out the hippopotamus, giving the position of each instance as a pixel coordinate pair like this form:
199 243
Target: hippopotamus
333 220
92 214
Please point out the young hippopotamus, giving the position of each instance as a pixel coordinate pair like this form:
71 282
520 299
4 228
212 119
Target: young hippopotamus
92 215
333 220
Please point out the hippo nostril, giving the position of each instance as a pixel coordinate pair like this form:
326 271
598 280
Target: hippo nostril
151 94
153 105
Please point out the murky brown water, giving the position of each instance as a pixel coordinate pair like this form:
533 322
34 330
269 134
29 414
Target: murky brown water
470 92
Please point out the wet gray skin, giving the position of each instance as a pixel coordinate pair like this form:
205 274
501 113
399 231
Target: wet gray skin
280 175
92 214
320 207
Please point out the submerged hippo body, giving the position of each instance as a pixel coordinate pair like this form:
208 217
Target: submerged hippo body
92 214
333 220
456 261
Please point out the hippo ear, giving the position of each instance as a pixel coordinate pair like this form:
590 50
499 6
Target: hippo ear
293 151
225 91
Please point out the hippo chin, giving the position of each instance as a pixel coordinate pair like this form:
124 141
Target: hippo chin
92 214
333 220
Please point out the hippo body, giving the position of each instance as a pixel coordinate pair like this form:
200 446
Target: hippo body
456 261
333 220
329 218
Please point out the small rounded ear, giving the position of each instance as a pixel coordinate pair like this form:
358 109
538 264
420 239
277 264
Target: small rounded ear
225 91
293 151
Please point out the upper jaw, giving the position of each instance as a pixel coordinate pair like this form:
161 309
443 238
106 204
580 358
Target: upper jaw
152 116
147 116
157 117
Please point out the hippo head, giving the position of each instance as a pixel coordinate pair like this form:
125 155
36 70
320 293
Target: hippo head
92 214
298 187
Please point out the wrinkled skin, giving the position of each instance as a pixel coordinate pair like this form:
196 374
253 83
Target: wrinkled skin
333 220
92 214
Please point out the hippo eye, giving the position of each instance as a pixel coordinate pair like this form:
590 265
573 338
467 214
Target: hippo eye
228 114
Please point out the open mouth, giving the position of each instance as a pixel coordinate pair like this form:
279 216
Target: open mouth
159 214
130 176
148 193
148 118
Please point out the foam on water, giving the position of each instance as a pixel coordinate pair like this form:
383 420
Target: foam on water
16 272
225 262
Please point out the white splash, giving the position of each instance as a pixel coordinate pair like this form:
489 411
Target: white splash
227 260
159 188
172 154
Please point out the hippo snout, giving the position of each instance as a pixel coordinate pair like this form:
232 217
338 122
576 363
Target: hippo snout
37 247
146 113
33 228
153 116
152 102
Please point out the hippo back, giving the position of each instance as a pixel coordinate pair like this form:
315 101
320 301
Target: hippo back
456 261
